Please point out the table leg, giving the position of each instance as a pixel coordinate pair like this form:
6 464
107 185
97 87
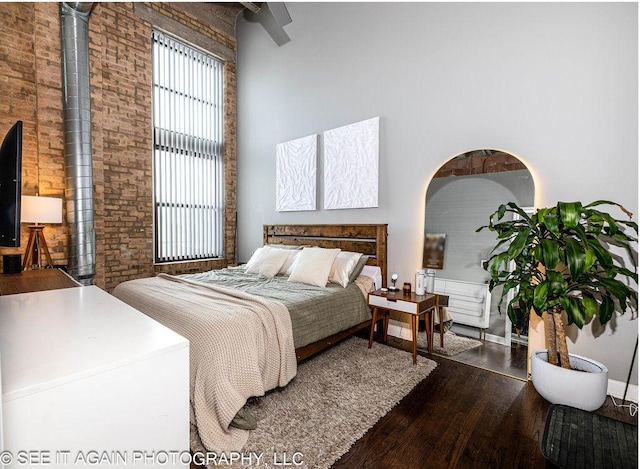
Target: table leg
414 318
429 320
441 317
373 324
386 326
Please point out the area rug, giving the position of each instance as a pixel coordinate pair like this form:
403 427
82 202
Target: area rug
453 344
334 399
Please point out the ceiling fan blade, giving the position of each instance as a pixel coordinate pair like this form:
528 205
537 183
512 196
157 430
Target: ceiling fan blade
280 13
272 16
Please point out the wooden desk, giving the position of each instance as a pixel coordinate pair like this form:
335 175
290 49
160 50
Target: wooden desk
415 306
35 280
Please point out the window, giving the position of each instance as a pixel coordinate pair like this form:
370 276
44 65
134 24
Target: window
188 176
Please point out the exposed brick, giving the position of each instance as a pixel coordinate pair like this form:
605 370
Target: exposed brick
479 162
120 76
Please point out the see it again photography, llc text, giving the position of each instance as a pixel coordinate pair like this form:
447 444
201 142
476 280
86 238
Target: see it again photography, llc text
147 458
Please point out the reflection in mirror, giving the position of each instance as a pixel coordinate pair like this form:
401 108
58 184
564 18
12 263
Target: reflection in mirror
461 196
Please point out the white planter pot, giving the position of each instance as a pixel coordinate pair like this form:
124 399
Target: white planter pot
585 389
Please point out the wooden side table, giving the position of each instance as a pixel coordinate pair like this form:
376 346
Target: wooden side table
415 306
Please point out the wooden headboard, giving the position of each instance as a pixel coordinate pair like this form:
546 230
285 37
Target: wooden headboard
370 239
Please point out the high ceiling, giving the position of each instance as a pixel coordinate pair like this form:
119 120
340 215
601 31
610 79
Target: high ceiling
273 16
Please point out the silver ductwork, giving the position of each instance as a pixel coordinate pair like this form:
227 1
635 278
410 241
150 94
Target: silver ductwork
77 139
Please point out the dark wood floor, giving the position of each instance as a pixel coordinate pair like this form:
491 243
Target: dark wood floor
461 416
35 280
511 361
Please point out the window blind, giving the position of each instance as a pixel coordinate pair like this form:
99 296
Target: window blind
188 176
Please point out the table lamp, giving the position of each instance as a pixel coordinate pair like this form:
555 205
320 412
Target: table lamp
35 209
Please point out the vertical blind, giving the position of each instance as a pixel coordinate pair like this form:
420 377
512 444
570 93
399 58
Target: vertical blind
188 177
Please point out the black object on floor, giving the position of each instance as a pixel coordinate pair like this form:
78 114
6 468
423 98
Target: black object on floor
575 438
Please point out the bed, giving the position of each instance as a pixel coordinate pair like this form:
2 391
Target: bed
368 239
247 331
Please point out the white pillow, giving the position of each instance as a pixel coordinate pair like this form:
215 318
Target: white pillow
254 259
266 261
288 264
293 252
375 273
342 267
312 266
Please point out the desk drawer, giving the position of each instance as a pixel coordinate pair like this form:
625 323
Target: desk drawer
393 304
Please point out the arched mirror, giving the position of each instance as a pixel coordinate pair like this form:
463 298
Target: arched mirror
462 195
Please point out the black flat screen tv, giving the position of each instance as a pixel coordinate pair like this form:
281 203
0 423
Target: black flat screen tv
11 186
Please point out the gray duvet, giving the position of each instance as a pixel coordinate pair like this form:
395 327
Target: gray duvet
315 312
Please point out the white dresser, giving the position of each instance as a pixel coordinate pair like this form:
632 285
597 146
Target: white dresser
85 376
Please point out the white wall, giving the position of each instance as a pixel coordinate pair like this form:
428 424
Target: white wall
555 84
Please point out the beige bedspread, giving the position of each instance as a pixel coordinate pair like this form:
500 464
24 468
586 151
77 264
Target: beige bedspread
232 356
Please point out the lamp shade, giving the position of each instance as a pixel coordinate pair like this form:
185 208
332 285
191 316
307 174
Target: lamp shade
41 209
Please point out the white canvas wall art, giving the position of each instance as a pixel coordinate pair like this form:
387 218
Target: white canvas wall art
351 155
296 174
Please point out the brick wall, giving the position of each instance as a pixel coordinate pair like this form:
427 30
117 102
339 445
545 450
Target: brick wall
120 74
30 91
480 162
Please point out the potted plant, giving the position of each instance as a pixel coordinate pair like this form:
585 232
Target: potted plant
557 262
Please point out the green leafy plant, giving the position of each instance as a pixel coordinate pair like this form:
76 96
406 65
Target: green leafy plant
557 260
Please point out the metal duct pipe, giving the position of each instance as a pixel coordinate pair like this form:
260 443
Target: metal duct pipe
77 139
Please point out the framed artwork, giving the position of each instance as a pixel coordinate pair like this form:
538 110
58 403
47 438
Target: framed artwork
433 254
296 162
351 161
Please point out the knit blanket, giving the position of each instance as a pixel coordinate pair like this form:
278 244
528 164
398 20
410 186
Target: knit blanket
240 345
